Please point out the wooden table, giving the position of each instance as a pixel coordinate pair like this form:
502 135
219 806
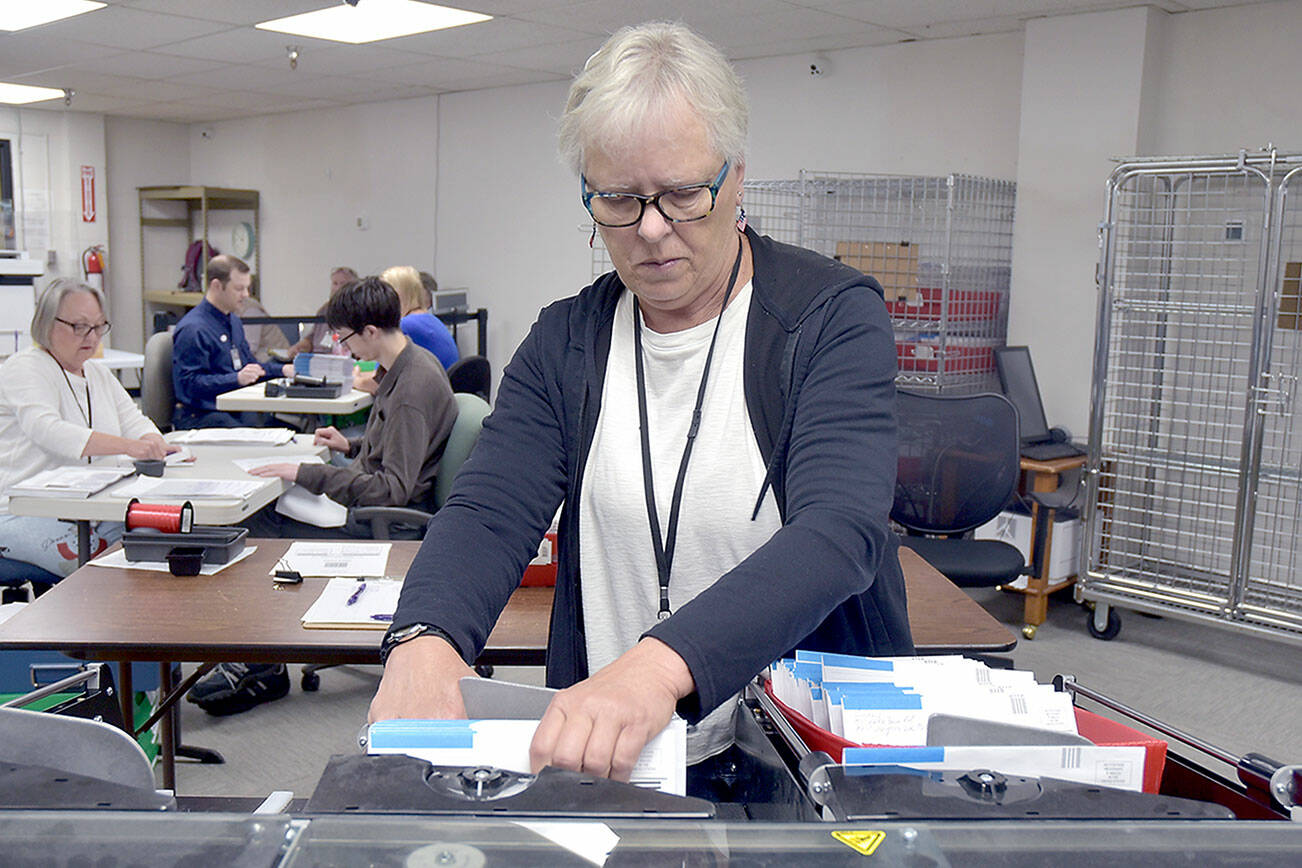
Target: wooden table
254 398
211 462
241 614
1038 476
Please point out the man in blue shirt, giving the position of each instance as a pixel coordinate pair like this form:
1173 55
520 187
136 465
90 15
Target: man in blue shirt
210 354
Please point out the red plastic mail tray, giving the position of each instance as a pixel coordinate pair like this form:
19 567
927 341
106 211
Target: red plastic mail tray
1098 729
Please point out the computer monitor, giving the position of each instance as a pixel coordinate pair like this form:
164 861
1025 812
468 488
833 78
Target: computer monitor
1017 379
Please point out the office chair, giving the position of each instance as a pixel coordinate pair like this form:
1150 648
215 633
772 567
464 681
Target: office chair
390 522
958 468
157 400
471 374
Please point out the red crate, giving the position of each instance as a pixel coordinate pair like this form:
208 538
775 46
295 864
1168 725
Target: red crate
1100 730
542 575
924 357
965 305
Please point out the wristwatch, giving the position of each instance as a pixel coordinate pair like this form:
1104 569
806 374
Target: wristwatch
394 638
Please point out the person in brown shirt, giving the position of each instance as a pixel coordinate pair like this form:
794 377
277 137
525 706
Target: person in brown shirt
397 457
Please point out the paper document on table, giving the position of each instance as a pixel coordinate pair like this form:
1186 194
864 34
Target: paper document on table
662 765
349 604
316 509
233 436
80 481
337 559
118 559
247 464
147 487
1121 767
180 456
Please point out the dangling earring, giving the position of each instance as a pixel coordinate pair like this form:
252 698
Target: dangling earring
593 237
741 218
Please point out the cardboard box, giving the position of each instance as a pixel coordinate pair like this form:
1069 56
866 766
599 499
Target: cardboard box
1014 528
1290 297
895 265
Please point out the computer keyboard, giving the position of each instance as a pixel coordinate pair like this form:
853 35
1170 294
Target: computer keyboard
1050 451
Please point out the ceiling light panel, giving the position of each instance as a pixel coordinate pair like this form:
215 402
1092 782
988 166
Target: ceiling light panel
19 94
21 14
372 20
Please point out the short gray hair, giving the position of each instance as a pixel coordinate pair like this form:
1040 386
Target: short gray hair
47 306
639 71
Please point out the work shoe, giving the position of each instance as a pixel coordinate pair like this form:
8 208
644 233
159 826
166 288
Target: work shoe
234 687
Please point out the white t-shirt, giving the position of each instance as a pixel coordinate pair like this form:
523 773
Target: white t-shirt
620 585
43 416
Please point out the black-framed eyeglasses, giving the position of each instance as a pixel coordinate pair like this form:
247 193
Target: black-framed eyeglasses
679 205
344 339
81 329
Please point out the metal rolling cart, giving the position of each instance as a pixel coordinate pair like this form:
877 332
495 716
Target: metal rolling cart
941 246
1194 504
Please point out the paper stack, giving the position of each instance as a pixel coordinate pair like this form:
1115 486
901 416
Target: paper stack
893 705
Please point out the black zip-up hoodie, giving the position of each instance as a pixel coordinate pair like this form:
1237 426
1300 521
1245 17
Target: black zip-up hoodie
820 389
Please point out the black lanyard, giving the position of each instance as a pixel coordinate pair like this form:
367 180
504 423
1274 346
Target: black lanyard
88 415
664 550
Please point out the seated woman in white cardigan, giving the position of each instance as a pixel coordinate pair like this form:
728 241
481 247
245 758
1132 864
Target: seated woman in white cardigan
59 407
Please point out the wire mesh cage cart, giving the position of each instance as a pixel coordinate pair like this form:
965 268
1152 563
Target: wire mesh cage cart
941 247
1195 496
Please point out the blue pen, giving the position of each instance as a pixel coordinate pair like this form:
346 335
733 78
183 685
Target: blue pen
381 617
357 594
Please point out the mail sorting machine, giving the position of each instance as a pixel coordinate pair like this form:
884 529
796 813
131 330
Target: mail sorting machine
1194 506
784 804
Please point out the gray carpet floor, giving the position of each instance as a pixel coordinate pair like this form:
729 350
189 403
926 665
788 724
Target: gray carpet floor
1239 692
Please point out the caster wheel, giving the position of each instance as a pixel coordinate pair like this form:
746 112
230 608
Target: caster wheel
484 670
1028 631
310 682
1108 632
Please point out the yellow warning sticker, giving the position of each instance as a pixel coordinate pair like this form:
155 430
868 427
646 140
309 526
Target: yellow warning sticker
865 842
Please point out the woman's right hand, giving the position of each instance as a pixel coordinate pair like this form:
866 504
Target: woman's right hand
152 448
421 681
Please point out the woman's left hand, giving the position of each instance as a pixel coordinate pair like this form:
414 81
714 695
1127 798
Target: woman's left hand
600 725
287 472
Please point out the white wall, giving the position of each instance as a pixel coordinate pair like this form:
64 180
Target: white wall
918 108
317 173
140 153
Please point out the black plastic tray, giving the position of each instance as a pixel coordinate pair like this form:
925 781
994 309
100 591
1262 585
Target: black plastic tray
219 544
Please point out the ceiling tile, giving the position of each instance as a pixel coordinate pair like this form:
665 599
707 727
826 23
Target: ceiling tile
241 45
28 51
145 64
562 58
500 34
329 59
119 27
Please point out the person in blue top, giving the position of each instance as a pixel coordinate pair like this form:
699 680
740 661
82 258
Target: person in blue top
424 329
210 354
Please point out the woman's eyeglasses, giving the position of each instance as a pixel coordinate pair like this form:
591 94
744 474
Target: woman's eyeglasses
679 205
81 329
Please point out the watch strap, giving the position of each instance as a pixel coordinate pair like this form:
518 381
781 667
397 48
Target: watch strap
396 636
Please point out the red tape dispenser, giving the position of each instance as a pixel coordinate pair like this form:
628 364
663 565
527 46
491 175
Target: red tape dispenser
157 532
164 517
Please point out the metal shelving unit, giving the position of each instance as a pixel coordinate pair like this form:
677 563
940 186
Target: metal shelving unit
161 209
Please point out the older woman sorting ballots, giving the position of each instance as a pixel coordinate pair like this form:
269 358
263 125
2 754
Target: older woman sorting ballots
59 408
716 415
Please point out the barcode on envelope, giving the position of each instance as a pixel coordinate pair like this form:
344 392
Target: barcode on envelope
1019 703
1071 757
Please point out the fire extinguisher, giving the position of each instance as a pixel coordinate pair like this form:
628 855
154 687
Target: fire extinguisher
92 266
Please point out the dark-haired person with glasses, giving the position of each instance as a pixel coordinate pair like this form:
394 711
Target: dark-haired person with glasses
716 415
59 407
